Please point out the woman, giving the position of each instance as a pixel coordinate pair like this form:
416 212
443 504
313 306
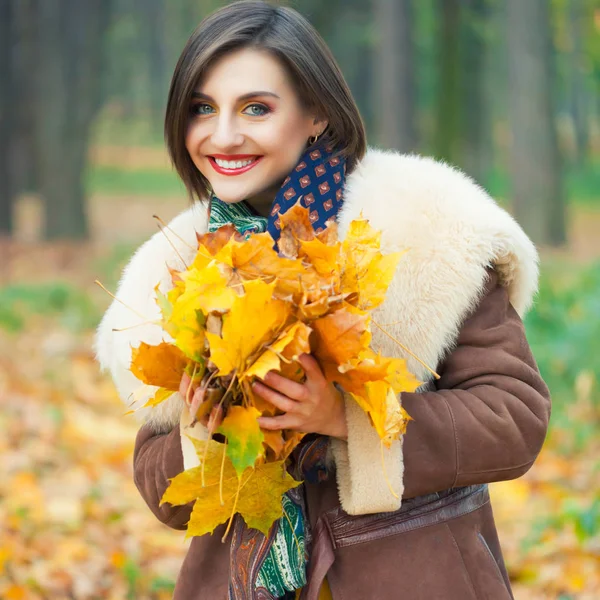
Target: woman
259 115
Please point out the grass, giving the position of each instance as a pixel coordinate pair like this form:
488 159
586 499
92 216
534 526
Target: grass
19 303
113 181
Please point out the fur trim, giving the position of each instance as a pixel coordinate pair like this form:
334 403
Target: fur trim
453 231
369 477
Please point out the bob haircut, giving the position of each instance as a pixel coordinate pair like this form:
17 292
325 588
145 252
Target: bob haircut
308 61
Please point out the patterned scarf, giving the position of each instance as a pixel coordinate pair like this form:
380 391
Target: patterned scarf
275 566
318 179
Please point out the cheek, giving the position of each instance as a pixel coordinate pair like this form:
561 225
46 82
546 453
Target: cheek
192 138
285 131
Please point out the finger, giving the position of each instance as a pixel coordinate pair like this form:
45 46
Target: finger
286 421
197 399
287 387
275 398
311 367
216 418
184 387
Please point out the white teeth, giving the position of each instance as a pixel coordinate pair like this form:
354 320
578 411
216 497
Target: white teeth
233 164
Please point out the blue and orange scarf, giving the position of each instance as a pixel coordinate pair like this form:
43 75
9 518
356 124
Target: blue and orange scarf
317 180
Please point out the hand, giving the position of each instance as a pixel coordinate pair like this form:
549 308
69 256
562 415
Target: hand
315 406
194 396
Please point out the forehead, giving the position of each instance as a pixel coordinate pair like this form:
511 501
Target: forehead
244 71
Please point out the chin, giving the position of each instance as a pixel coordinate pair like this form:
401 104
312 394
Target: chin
229 197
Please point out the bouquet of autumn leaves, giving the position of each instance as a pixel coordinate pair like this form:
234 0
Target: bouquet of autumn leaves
242 309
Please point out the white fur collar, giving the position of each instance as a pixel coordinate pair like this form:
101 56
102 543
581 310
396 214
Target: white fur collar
453 231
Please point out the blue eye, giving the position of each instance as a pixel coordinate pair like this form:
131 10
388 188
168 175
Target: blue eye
198 108
262 110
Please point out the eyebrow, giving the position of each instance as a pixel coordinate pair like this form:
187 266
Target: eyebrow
201 96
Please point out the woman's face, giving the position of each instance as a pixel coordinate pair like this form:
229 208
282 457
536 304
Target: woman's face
247 128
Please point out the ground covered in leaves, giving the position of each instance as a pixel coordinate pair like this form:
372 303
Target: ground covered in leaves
72 524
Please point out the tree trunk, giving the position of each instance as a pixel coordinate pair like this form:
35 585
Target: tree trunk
154 12
475 131
447 133
69 76
578 92
7 105
394 72
535 159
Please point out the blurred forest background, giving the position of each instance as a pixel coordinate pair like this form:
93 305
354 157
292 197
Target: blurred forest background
508 90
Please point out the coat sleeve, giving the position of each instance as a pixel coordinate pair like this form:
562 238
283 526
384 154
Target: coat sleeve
156 459
488 417
485 420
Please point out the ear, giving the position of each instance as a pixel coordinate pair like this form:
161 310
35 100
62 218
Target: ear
321 125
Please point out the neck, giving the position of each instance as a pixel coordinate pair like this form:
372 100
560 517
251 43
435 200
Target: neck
263 201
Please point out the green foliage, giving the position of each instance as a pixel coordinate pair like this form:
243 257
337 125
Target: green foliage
20 302
162 584
132 574
583 518
564 332
582 184
150 182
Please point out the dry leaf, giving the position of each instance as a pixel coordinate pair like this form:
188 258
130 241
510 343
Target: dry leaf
161 365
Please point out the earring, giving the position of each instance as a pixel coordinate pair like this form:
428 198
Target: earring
313 139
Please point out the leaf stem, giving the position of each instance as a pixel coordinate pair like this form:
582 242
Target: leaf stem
405 348
175 234
235 501
136 325
222 472
162 229
146 319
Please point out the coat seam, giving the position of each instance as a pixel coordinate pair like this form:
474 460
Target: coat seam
520 466
456 453
462 560
343 544
489 552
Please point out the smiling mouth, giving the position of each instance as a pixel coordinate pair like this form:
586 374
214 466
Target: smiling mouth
233 167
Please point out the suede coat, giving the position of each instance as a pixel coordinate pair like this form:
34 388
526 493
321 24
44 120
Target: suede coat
456 300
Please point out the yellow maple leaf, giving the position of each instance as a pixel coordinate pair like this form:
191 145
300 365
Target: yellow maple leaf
295 337
365 272
340 337
253 321
255 258
256 495
244 437
382 406
324 258
399 377
161 365
161 395
206 289
212 242
296 227
187 327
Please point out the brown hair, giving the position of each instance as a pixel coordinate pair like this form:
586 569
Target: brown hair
293 40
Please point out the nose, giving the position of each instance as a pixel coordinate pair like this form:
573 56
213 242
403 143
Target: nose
226 134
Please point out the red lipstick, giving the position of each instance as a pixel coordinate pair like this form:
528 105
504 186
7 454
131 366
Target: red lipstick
239 171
